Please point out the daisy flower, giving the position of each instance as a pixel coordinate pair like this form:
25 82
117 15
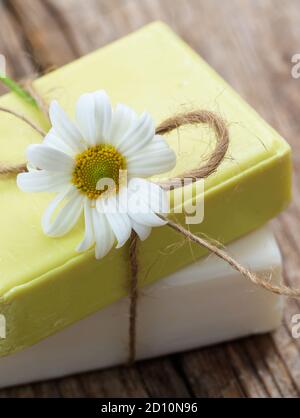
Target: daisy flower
77 160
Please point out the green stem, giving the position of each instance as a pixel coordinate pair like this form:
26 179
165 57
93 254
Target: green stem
19 90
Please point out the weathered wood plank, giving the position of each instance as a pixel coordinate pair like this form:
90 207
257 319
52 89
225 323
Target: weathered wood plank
45 33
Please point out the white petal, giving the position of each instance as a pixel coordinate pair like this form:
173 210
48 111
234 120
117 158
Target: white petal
142 230
138 136
103 234
52 140
103 113
66 217
113 203
86 117
122 120
42 181
145 200
65 129
155 147
117 218
153 195
155 158
145 216
47 158
89 237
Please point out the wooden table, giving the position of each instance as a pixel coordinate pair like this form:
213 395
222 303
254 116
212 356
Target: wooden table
250 43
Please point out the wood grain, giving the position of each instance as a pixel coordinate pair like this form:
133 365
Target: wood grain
250 43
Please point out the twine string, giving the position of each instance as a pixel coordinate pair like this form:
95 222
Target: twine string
197 117
30 94
24 119
8 169
133 292
254 278
222 141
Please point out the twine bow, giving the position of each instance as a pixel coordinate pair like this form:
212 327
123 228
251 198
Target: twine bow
203 171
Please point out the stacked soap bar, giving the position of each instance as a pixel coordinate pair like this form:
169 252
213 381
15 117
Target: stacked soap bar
46 286
202 304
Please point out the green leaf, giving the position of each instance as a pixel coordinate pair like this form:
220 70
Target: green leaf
19 90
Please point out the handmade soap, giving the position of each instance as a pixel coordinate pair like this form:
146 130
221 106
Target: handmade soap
202 304
44 284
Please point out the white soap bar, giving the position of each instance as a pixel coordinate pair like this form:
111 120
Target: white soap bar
203 304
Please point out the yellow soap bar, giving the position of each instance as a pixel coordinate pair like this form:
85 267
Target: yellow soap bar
44 284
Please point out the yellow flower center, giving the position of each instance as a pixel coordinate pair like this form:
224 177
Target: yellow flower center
99 162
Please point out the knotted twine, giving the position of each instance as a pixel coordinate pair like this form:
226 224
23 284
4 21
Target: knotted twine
196 117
